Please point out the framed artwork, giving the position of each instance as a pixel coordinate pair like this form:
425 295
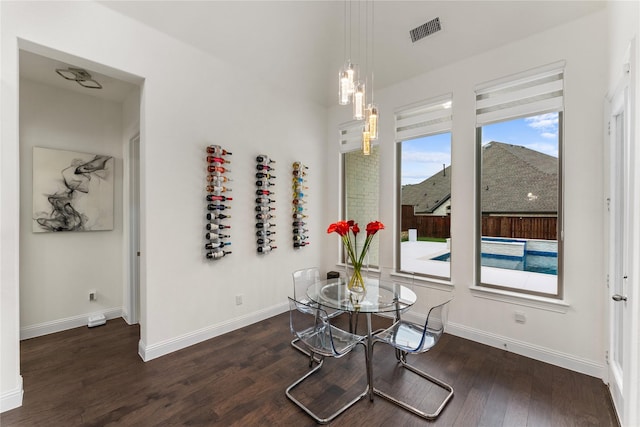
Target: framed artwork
72 191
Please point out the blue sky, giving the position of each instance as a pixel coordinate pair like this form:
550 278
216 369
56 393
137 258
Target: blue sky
423 157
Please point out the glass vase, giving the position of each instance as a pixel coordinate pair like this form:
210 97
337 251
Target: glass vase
355 279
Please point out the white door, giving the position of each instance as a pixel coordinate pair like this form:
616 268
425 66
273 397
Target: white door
134 229
619 249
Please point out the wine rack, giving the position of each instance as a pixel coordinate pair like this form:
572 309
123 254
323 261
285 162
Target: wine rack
300 233
218 203
265 228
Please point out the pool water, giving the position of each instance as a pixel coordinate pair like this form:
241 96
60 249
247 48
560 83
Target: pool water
533 262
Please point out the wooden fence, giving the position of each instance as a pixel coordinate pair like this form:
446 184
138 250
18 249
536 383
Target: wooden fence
523 227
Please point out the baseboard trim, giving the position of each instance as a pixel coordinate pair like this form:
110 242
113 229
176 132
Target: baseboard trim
13 398
543 354
67 323
153 351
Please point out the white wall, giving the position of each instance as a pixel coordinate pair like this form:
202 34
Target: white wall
57 270
570 336
184 298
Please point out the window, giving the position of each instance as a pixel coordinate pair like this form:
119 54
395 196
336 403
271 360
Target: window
519 189
360 177
424 178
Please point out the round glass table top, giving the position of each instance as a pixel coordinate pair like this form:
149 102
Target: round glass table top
379 295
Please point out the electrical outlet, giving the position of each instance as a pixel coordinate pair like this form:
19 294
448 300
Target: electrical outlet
519 317
93 296
238 299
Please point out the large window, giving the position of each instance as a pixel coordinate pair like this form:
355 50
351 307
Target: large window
519 190
424 178
360 177
425 199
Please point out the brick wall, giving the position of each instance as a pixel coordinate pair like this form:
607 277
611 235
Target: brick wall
361 190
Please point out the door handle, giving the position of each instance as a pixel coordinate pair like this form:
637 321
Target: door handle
617 297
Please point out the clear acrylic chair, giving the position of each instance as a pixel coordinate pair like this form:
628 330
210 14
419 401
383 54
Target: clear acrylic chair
406 338
312 327
302 279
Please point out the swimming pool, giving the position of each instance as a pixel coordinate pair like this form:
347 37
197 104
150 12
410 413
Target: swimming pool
545 263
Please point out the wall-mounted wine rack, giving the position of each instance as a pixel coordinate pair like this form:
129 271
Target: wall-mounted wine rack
300 233
265 228
217 203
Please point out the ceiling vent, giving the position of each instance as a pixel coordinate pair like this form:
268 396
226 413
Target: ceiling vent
425 30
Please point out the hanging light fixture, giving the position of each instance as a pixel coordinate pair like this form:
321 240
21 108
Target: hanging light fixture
351 86
347 74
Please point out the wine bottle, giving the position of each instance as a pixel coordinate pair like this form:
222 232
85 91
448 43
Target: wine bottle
265 249
265 241
298 166
213 236
216 179
262 183
298 195
264 200
212 207
299 187
299 216
211 216
264 233
299 237
264 208
297 180
298 223
264 168
264 193
213 226
300 230
297 209
300 244
217 188
299 173
213 159
218 150
261 158
299 202
262 175
264 225
216 245
214 168
217 254
212 197
265 216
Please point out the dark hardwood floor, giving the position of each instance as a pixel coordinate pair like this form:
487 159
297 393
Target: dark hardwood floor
94 377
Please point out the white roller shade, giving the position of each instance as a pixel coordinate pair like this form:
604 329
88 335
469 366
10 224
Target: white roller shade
351 136
535 92
423 119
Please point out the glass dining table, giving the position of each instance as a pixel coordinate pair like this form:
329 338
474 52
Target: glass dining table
380 296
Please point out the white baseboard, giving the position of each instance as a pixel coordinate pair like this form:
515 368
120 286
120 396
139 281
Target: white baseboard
13 398
150 352
543 354
64 324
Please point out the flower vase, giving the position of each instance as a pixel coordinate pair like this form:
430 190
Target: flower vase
355 282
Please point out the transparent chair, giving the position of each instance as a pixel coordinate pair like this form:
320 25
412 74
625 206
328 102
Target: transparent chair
302 279
312 327
406 338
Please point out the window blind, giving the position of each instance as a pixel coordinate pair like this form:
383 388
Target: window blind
534 92
426 118
351 136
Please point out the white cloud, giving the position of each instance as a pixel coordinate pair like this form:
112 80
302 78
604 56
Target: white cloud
543 122
426 157
544 147
549 135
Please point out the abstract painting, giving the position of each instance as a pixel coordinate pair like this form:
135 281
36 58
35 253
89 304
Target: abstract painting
72 191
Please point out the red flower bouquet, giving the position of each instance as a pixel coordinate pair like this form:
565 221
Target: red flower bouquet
347 229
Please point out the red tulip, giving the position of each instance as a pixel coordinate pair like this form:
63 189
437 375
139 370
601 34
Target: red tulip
373 227
355 229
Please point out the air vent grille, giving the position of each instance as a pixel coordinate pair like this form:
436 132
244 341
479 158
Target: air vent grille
425 30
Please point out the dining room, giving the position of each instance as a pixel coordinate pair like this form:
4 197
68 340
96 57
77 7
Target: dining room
252 147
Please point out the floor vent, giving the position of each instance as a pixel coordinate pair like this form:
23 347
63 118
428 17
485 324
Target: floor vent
425 30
